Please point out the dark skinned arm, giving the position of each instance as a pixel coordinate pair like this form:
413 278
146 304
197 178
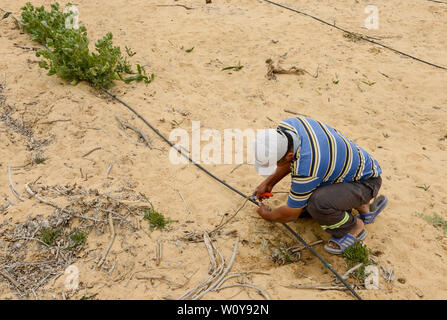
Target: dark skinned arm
268 184
281 214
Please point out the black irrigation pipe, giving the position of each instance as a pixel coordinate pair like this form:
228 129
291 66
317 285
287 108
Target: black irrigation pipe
354 34
437 1
326 264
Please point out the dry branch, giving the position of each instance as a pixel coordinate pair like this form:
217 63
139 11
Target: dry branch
94 149
297 249
174 5
12 186
219 280
108 170
272 70
8 277
186 205
137 130
295 113
28 189
346 275
26 47
158 253
112 239
56 120
317 287
266 296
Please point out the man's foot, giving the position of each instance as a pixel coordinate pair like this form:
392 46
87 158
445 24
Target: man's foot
368 212
355 231
364 208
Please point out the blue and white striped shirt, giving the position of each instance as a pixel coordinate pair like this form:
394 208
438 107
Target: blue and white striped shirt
324 156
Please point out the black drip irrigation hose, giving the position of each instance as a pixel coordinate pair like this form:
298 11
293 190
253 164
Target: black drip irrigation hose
326 264
437 1
354 34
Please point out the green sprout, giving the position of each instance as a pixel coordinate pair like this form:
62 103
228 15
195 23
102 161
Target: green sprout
156 219
49 235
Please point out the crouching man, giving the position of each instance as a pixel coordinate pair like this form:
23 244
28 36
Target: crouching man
330 174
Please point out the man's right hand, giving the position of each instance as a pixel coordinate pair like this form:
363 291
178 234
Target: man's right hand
262 188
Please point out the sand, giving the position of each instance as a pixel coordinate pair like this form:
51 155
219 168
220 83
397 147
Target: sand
400 119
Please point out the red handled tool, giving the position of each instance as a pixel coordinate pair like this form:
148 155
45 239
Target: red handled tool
263 196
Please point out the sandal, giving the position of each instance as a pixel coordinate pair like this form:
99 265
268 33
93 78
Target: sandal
347 241
362 235
376 207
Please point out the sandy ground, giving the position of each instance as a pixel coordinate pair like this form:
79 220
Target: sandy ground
400 120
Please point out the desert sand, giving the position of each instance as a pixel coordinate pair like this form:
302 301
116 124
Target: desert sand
400 118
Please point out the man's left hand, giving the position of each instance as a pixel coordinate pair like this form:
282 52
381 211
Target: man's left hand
264 211
281 214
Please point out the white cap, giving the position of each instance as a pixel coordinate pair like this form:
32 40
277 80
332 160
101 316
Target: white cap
270 146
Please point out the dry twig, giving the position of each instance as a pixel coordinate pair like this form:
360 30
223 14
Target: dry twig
225 271
272 70
26 47
12 186
56 120
295 113
158 253
174 5
8 277
137 130
186 205
112 239
94 149
266 296
108 170
317 287
295 249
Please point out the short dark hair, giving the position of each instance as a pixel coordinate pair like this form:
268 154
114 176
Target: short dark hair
289 142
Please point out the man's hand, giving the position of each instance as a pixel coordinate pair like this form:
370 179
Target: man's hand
264 211
268 184
281 214
262 188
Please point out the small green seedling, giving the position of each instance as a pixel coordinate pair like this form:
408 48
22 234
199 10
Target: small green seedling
424 187
49 235
39 160
369 83
336 80
129 52
188 50
78 237
235 68
156 219
92 297
353 37
7 14
435 220
356 254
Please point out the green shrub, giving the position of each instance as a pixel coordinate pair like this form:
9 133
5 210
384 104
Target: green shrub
67 51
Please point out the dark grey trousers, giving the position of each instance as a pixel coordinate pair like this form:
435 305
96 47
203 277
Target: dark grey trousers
331 205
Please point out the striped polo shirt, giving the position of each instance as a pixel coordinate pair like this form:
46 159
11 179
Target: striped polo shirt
324 156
